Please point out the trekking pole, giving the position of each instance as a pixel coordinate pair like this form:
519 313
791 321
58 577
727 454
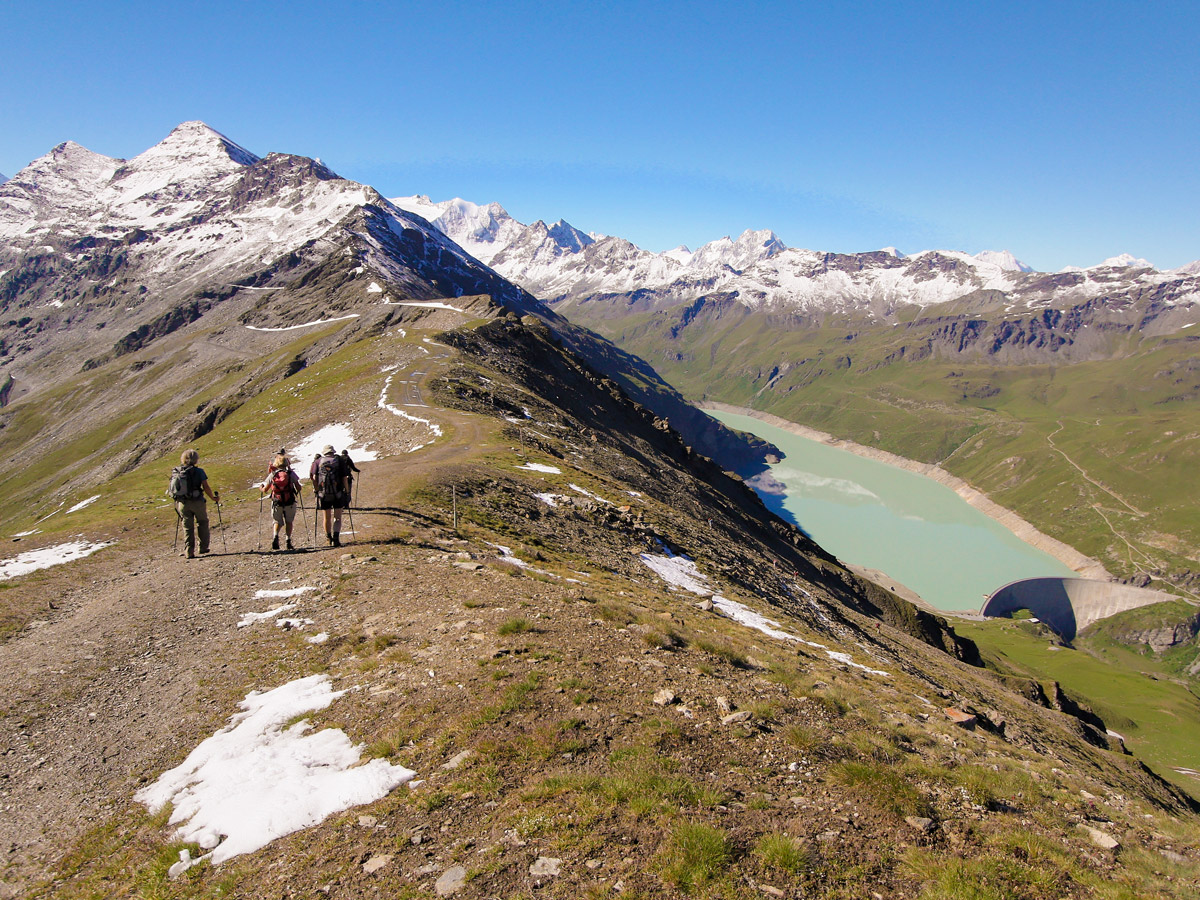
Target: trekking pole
178 519
304 517
258 546
224 546
351 515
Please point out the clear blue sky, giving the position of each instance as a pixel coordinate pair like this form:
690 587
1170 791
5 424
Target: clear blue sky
1066 132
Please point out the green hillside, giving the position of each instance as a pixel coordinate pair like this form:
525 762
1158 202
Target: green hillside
1099 453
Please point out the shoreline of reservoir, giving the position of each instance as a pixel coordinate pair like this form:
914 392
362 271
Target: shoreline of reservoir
1084 566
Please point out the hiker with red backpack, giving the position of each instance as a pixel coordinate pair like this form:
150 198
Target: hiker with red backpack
329 474
283 484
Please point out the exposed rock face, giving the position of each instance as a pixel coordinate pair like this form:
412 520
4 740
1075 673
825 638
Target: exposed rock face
1162 639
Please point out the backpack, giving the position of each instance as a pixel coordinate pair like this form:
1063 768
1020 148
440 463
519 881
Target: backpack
329 471
183 485
282 490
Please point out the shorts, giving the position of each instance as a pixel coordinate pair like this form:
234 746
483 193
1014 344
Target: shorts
283 515
339 500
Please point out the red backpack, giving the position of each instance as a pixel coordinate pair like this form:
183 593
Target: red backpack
282 491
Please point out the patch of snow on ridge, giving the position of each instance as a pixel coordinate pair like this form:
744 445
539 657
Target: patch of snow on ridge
303 325
339 436
88 502
746 616
396 411
32 560
540 467
255 780
678 571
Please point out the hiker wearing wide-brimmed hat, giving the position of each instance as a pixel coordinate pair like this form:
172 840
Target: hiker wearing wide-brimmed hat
329 478
188 487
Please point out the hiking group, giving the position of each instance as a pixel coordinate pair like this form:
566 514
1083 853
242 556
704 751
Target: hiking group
331 474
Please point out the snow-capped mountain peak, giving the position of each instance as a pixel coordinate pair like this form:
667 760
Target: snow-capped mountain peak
191 142
483 231
1125 261
568 237
751 247
1003 259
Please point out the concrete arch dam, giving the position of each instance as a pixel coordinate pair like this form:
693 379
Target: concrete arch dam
1068 605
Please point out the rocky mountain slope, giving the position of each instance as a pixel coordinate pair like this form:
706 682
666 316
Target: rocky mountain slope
563 651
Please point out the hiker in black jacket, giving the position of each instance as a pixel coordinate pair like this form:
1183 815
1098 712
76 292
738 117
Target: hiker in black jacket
350 468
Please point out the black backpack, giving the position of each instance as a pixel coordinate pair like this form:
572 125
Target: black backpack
184 484
329 472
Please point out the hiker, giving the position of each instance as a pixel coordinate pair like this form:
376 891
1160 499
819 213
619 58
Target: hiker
284 486
329 482
350 469
188 487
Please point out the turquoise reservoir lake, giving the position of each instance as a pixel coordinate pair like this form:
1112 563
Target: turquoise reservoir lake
913 529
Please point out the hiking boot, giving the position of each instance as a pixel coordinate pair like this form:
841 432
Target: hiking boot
336 541
275 542
289 544
203 549
191 555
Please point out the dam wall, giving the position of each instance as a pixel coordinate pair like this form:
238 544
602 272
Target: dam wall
1068 605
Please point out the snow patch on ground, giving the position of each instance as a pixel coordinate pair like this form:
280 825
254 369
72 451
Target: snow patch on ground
83 503
587 493
540 467
681 572
255 780
32 560
748 617
304 325
427 304
252 618
339 436
396 411
678 571
283 592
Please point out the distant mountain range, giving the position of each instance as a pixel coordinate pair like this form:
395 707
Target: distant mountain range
566 267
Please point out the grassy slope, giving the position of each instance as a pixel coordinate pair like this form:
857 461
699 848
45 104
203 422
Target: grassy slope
1135 693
